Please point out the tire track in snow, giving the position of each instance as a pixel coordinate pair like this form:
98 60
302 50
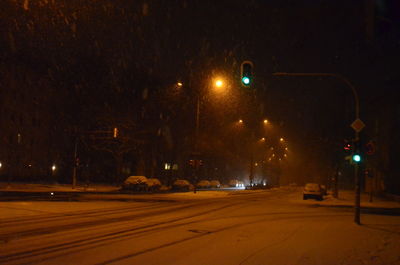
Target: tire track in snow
100 240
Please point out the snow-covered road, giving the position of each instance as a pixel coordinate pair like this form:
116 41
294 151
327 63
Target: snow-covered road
243 227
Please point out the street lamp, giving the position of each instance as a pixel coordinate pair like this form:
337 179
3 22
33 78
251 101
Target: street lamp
265 121
219 83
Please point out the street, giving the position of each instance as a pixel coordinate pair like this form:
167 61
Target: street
228 227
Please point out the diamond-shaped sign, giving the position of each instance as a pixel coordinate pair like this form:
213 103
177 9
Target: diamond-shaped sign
358 125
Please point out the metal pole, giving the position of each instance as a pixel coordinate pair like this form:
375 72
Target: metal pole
357 197
75 163
357 180
357 183
197 123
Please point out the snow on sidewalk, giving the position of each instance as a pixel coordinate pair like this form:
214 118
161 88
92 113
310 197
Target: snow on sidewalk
346 199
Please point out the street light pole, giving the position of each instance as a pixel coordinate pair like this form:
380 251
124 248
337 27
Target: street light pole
197 123
357 179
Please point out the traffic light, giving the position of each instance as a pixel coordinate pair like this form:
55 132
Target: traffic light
348 146
356 158
246 73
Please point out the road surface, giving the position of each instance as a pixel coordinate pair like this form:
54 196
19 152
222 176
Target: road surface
243 227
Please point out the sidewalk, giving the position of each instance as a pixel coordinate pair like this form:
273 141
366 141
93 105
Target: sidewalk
28 187
347 198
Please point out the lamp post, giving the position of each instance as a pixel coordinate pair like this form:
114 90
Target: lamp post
217 83
357 179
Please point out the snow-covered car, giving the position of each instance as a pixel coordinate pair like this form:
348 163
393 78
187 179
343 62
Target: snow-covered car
135 183
313 190
153 184
215 184
182 185
203 184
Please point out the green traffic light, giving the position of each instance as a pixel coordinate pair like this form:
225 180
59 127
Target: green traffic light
246 80
357 158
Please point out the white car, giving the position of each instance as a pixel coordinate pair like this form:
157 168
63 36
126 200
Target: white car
135 183
313 190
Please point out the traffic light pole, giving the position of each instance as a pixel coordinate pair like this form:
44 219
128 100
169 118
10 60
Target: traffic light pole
357 180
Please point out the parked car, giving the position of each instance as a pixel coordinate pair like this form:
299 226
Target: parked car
215 184
182 185
153 184
135 183
313 190
203 184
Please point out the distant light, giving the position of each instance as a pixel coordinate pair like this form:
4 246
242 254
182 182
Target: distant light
53 167
285 155
1 164
52 193
256 164
286 148
262 139
281 140
265 121
240 121
179 84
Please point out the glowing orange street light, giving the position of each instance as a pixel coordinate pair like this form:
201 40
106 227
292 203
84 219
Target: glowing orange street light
265 121
219 83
